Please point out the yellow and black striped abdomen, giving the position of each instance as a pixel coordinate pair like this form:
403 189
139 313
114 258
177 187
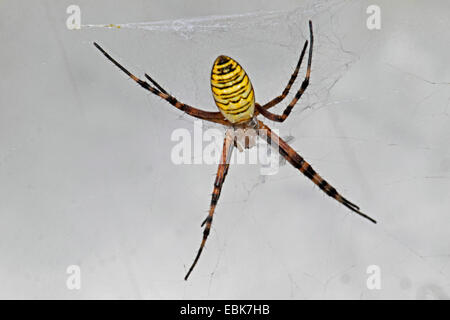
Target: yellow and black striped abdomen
232 90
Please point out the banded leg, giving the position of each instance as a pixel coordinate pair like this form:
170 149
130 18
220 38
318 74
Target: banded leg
155 84
222 171
285 92
280 118
216 117
298 162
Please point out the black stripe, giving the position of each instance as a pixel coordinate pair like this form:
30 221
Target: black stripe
309 172
332 192
287 111
239 93
215 199
323 184
171 100
234 112
226 104
234 94
208 219
305 84
238 113
222 60
237 90
285 154
232 83
226 70
226 80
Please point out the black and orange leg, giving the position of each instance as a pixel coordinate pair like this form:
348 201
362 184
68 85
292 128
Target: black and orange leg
216 117
298 162
285 92
280 118
222 171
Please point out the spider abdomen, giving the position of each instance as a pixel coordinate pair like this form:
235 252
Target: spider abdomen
232 90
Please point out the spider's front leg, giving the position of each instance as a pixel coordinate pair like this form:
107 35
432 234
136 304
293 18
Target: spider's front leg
216 117
280 118
222 171
298 162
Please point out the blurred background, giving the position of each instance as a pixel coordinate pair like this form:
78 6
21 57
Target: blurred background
86 176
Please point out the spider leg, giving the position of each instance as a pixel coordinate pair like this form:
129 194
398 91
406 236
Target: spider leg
280 118
220 178
285 92
155 84
216 117
298 162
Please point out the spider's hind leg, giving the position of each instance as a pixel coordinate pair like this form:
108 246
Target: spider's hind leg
304 167
222 171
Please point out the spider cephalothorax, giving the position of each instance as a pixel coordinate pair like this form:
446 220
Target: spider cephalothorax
235 98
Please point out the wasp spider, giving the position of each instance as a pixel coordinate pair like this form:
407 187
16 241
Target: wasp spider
234 96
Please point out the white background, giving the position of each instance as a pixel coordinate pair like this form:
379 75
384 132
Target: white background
86 176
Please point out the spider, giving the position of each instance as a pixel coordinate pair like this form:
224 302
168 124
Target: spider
234 96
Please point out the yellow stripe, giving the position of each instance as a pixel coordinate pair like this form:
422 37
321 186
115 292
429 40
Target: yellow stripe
221 66
220 85
244 97
233 89
216 76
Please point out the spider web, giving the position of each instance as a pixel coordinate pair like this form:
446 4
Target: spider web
276 37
